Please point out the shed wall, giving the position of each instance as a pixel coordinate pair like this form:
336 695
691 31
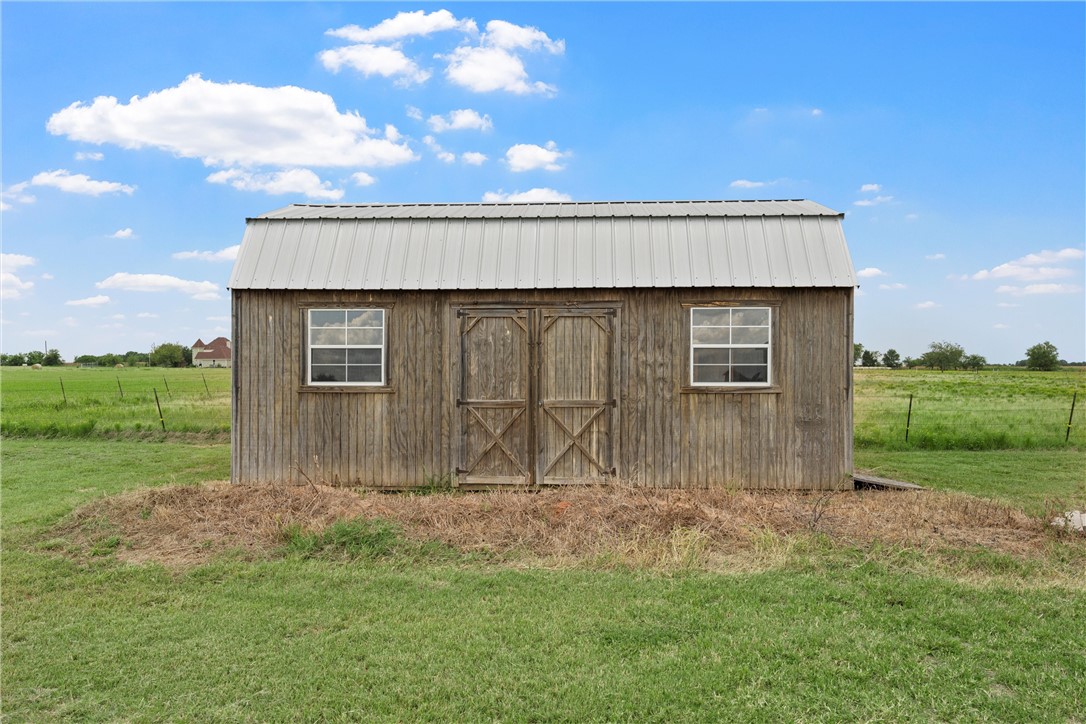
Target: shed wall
797 435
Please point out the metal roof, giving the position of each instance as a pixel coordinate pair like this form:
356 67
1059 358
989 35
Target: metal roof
545 246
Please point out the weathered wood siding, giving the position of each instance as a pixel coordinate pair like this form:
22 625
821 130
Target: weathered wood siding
661 433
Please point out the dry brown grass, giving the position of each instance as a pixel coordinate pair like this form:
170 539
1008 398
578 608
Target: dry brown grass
627 525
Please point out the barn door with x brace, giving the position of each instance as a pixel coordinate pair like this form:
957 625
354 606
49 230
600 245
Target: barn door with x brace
536 395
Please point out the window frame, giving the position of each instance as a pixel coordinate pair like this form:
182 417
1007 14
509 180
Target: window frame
770 385
307 312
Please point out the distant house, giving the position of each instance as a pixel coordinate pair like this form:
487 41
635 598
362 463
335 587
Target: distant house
687 344
215 353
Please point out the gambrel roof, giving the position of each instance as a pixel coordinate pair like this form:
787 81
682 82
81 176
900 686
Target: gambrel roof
545 246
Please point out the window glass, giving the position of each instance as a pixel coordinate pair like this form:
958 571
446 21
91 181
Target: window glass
730 346
346 347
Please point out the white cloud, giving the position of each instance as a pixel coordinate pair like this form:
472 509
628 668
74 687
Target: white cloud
11 262
927 305
870 188
95 301
873 202
495 64
160 283
11 286
743 183
1000 325
375 60
230 253
533 196
117 316
1008 305
414 113
292 181
1031 289
228 124
122 234
404 25
870 271
16 193
893 287
1029 268
816 112
47 276
362 178
912 217
218 319
473 158
79 183
528 156
147 315
440 152
935 257
459 120
70 321
89 156
392 133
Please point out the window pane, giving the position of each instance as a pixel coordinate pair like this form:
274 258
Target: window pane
328 336
713 374
328 373
711 356
365 318
750 335
364 373
709 335
329 356
327 317
750 373
710 317
364 356
364 335
750 317
750 356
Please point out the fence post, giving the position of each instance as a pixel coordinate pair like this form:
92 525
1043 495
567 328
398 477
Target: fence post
167 387
205 385
120 388
909 418
159 406
1071 417
66 394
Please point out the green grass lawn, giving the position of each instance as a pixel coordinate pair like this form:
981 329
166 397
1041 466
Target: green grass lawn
845 635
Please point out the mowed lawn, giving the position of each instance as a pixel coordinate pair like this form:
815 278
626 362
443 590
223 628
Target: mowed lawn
830 633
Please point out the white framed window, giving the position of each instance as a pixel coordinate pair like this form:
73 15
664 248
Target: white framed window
730 346
346 347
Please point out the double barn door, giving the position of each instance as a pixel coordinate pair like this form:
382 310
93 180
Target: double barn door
537 397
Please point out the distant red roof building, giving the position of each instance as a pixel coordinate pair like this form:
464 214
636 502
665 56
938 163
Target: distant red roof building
215 353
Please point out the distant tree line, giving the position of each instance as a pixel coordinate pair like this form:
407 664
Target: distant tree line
49 358
169 354
950 356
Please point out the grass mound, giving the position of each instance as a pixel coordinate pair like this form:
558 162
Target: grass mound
615 525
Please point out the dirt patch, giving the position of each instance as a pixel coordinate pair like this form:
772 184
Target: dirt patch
192 524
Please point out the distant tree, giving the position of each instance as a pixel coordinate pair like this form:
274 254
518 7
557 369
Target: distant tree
52 358
1043 356
169 354
910 362
943 356
869 358
13 360
891 359
974 362
35 357
857 352
131 359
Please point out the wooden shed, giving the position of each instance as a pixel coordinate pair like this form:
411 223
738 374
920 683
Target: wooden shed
684 344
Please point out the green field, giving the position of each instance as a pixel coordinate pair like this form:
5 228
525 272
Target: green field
78 402
824 632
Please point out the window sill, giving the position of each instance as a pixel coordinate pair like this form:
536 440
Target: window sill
348 389
710 390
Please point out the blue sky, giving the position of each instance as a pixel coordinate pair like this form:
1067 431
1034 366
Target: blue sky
138 137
